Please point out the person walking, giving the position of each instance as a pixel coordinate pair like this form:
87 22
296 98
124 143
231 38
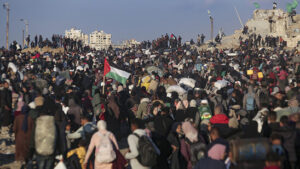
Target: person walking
23 126
99 142
132 155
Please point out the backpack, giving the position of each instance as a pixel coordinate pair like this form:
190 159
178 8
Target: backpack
105 152
205 112
45 135
250 103
147 153
197 150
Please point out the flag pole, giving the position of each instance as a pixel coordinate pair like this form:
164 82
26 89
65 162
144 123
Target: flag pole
103 89
238 15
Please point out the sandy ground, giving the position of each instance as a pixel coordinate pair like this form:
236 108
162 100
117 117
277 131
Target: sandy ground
7 151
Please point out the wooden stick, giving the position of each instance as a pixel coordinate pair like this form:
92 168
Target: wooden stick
103 89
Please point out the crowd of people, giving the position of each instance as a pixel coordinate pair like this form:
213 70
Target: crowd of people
179 109
57 41
256 41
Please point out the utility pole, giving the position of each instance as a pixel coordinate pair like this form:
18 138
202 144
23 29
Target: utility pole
26 28
23 40
6 6
211 26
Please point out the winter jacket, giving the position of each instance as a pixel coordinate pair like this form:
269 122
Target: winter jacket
80 152
142 109
219 119
81 132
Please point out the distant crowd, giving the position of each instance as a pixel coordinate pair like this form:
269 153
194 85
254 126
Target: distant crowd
181 108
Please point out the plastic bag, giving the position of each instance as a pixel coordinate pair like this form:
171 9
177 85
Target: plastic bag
60 165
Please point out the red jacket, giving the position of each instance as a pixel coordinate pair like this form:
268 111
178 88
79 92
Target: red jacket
219 119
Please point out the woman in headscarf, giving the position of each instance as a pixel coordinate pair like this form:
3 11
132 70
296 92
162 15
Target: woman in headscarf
180 114
23 126
191 136
174 137
74 113
95 142
112 117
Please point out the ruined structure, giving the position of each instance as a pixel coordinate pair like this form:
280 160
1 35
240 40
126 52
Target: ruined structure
275 23
268 23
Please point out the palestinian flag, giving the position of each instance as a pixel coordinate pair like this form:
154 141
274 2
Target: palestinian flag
114 73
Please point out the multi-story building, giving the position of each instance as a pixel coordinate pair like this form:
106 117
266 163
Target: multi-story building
100 40
76 34
127 44
131 43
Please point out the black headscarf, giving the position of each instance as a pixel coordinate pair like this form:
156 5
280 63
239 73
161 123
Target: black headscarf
25 110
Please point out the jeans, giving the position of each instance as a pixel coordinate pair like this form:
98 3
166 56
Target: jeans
45 162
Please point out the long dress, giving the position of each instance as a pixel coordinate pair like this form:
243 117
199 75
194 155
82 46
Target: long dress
22 138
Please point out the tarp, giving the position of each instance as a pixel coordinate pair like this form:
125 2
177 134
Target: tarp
13 67
220 84
188 82
155 69
177 89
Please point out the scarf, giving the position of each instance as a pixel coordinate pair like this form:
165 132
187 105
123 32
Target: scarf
25 111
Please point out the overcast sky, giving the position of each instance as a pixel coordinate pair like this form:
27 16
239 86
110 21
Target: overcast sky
127 19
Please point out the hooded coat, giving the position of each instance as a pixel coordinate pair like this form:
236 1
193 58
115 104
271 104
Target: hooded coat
22 138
